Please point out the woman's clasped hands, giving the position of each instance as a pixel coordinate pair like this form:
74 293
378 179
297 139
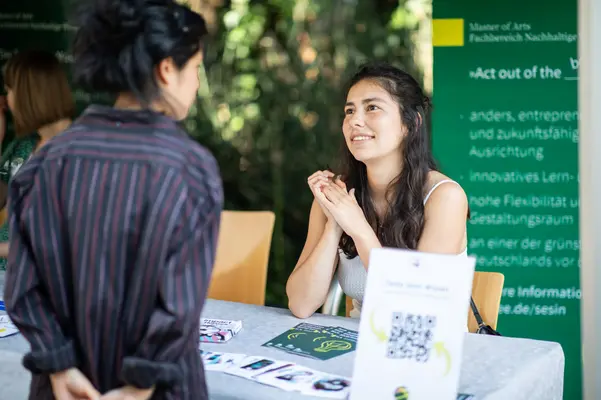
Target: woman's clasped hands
71 384
338 204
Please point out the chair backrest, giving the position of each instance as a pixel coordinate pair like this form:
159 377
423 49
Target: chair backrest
349 305
3 215
240 271
487 289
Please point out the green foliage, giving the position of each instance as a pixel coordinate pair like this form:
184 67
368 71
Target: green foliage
271 101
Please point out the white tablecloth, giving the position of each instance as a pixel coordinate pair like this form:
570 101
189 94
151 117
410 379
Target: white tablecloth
494 368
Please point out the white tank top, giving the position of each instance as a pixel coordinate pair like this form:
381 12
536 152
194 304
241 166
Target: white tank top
352 275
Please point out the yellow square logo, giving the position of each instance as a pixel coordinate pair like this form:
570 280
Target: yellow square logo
447 32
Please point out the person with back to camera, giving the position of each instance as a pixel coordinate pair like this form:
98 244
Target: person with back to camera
114 223
390 193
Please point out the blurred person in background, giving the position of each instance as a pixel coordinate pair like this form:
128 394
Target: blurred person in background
115 222
40 101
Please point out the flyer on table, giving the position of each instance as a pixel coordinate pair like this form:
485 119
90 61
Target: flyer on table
413 323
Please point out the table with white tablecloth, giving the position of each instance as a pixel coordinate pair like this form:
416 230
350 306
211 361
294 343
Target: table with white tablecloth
493 368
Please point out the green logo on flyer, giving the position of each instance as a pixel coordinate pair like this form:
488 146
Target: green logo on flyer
329 345
401 393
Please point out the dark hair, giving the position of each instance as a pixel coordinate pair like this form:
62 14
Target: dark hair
41 90
119 43
403 223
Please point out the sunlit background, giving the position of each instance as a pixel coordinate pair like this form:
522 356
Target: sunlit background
271 103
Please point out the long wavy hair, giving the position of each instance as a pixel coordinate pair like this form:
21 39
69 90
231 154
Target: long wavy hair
403 223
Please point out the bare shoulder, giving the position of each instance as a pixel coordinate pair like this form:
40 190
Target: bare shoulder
448 196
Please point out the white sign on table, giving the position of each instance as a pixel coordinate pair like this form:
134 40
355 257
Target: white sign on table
413 323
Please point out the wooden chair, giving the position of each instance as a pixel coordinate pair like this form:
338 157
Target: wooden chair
240 271
487 289
349 306
3 215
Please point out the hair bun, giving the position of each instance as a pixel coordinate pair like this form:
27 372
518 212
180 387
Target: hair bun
127 21
113 23
120 42
129 15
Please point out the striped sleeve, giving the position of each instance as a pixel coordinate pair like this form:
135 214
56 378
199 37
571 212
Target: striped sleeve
191 240
34 245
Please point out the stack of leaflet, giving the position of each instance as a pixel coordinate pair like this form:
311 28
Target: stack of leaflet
284 375
218 330
281 374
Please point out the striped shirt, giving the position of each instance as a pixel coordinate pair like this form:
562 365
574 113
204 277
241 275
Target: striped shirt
113 230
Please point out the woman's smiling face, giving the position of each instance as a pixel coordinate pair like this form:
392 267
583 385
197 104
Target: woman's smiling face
372 125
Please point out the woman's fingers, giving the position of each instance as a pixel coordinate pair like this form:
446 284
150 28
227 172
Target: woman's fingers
321 180
340 183
333 193
318 178
340 188
323 200
353 196
80 386
327 174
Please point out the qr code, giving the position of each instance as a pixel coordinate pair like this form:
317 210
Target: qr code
411 336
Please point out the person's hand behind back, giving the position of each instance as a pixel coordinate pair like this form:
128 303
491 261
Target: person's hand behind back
71 384
128 393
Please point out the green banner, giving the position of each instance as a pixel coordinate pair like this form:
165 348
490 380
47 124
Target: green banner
505 126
